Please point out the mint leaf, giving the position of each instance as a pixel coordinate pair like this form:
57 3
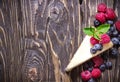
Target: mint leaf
96 36
103 28
89 31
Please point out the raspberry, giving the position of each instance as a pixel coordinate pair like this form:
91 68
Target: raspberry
86 75
98 61
104 39
100 17
110 14
96 73
102 7
93 41
117 25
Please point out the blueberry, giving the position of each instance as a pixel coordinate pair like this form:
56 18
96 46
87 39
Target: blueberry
96 23
90 63
118 37
98 46
115 41
109 33
93 50
108 65
110 22
112 29
90 69
114 52
102 67
115 33
91 80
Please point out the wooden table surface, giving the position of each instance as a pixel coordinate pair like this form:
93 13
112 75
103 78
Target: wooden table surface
39 37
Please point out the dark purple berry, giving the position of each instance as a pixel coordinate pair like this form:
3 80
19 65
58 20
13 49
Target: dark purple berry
108 65
90 69
102 67
114 52
115 33
93 50
96 23
98 46
91 80
115 41
110 22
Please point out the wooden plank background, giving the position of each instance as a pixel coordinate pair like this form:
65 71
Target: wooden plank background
39 37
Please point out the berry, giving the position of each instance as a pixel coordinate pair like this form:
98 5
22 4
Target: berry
96 23
104 56
115 33
86 75
110 22
93 41
96 73
100 17
98 46
109 33
102 67
102 7
112 28
115 41
90 69
104 39
85 66
93 50
98 61
117 25
118 37
108 65
114 52
91 80
110 14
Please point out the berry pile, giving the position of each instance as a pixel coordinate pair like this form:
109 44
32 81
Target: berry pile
93 68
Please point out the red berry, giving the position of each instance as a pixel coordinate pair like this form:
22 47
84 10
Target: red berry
93 41
98 61
110 14
105 39
96 73
117 25
86 75
100 17
102 7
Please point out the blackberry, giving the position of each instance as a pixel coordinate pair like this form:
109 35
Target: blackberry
96 23
98 46
91 80
115 41
110 22
108 65
102 67
93 50
114 52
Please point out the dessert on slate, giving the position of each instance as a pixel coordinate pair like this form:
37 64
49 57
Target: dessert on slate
103 36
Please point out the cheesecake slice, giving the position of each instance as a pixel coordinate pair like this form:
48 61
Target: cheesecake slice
83 53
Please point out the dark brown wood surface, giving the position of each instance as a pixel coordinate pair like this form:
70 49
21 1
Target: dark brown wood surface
39 37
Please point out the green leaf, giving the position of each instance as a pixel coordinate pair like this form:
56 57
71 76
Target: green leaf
89 31
96 36
103 28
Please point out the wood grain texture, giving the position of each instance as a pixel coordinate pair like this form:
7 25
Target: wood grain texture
39 37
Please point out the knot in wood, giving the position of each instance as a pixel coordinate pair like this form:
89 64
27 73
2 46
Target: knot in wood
56 10
32 74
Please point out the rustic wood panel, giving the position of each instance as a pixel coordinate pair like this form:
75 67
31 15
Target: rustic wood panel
39 37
